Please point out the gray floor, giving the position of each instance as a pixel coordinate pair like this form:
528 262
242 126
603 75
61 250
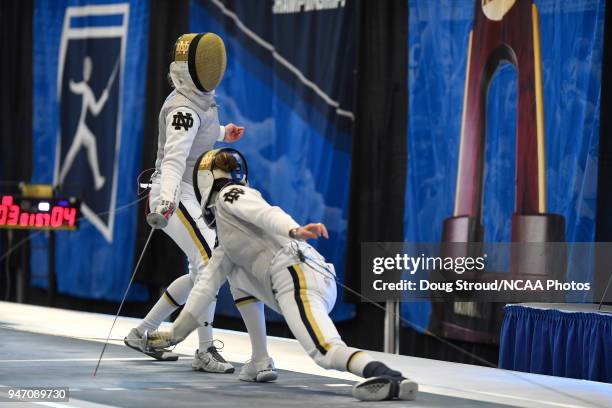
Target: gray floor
28 359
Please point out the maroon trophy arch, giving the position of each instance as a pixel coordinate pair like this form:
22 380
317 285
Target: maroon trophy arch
503 31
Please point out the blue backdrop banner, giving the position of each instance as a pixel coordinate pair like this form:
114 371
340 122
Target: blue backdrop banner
571 37
290 82
89 89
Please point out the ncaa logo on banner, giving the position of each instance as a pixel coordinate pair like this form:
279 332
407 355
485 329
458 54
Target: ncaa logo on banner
89 89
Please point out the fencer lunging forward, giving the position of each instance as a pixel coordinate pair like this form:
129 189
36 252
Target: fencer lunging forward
84 136
188 125
263 255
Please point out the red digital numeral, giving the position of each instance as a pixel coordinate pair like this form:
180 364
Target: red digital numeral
42 219
70 216
9 213
13 215
57 216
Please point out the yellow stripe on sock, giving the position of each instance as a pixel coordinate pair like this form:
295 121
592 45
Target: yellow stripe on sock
167 298
351 358
242 302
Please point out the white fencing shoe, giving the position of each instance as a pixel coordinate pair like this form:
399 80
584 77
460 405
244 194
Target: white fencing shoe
407 390
385 388
211 361
258 371
138 341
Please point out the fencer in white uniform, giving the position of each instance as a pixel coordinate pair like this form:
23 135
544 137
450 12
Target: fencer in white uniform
262 253
188 125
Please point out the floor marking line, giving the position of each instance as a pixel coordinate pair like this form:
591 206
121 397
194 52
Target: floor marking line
53 360
50 404
73 403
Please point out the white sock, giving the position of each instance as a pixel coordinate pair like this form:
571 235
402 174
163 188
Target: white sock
252 312
205 331
175 295
357 362
342 358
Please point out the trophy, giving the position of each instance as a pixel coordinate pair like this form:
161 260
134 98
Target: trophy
503 31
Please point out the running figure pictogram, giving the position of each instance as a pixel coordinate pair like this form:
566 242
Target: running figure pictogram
84 136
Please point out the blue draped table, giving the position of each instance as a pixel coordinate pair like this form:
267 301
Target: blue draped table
566 340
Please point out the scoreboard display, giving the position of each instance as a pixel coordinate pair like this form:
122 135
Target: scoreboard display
17 212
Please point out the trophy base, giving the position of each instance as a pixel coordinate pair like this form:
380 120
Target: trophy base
463 228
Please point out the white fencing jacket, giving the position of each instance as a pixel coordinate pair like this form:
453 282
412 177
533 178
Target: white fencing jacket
188 126
253 237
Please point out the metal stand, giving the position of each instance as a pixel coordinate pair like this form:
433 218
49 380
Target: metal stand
23 273
51 277
392 327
